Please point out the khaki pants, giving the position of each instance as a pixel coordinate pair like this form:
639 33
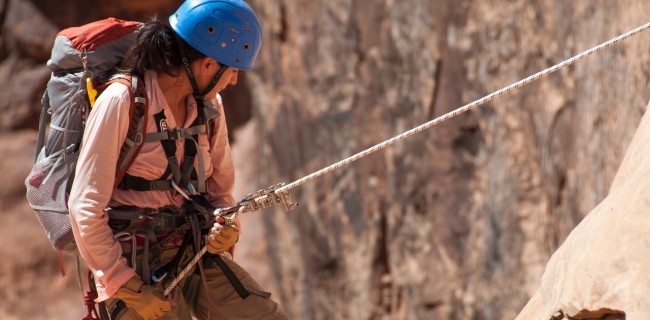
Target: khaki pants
224 302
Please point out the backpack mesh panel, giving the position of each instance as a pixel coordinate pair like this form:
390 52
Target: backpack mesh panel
47 186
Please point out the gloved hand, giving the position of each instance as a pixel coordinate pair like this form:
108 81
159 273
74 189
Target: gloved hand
222 237
146 300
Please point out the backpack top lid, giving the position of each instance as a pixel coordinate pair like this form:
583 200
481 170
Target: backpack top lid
104 42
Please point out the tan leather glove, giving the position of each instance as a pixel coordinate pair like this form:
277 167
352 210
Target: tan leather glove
222 237
147 301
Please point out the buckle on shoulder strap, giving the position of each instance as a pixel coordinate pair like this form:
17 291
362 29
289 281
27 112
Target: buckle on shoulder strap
174 134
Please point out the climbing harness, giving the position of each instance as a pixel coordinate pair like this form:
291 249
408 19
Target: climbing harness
253 202
280 193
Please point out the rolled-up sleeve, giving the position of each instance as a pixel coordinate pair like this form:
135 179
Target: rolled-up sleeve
105 131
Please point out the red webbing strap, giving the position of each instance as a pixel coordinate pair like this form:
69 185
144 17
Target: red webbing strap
89 300
61 266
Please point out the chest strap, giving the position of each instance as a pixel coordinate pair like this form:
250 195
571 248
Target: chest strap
183 174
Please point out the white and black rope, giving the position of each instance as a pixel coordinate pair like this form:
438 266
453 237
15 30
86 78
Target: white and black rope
422 127
460 110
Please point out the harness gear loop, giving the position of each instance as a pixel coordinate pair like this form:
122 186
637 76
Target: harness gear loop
129 236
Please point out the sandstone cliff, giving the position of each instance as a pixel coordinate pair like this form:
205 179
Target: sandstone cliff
458 222
455 223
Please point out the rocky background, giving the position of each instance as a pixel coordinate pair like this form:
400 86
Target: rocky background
456 222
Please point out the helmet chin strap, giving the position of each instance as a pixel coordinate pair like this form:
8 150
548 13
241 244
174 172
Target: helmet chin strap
199 95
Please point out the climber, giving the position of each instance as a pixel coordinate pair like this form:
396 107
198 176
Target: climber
136 236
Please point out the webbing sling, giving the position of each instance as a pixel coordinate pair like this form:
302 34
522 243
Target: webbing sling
230 275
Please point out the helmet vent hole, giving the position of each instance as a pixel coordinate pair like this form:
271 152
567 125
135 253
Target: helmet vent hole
210 29
237 60
246 46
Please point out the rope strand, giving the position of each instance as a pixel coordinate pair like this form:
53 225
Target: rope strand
422 127
460 110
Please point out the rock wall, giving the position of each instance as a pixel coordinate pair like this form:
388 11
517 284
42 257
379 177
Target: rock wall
458 221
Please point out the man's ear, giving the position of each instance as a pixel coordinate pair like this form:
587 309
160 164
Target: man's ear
208 64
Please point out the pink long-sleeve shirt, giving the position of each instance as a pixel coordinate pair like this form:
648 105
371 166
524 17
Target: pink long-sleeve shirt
92 190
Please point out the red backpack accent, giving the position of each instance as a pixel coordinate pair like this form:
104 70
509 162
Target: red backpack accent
98 33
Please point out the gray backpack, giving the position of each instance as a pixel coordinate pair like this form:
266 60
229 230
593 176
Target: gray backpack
83 58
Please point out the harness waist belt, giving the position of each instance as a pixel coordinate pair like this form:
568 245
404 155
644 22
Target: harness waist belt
161 220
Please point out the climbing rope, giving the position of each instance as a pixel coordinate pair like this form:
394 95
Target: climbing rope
460 110
280 193
181 275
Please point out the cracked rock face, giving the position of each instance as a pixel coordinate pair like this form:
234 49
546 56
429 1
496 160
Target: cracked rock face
457 222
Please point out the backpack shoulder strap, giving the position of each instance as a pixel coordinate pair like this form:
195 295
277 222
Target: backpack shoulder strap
137 124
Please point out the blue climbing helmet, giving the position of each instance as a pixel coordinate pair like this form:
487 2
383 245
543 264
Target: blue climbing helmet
225 30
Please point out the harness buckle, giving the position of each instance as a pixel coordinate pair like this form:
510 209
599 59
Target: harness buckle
138 138
174 134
